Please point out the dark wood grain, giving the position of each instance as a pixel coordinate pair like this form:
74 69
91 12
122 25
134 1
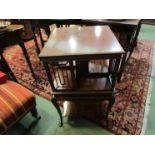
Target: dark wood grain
66 57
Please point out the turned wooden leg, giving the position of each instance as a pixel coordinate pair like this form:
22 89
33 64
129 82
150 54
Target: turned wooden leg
34 113
32 125
59 111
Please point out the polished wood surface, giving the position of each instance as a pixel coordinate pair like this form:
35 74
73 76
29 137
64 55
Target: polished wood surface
126 22
126 31
117 25
75 41
78 78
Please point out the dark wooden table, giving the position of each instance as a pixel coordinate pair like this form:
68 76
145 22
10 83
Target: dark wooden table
77 46
127 31
12 36
130 27
81 41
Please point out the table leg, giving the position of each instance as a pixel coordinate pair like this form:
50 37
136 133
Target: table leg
35 40
36 44
82 67
41 38
47 30
122 67
137 33
126 56
54 101
27 58
6 68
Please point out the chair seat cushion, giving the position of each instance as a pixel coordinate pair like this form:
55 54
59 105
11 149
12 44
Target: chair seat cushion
15 102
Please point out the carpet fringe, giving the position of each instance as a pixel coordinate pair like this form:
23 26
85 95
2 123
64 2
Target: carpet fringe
148 100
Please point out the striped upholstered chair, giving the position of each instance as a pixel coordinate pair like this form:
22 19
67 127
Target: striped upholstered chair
15 102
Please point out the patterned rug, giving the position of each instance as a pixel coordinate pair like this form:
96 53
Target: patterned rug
126 116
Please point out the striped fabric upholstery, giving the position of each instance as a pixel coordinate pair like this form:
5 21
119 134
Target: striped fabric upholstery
15 102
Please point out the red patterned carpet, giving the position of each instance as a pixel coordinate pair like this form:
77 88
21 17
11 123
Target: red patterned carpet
127 113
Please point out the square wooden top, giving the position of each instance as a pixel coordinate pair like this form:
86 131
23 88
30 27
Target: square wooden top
80 41
125 22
